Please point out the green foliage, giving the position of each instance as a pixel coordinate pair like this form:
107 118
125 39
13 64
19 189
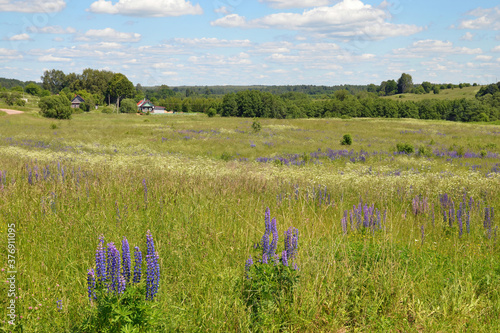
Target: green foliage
33 89
84 107
58 107
346 140
424 151
107 109
404 148
436 89
128 312
211 112
268 294
256 126
53 126
405 83
225 156
128 105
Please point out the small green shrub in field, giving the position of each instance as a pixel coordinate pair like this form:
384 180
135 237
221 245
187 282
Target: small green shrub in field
53 126
346 140
107 109
424 151
58 107
225 156
211 112
256 126
270 282
119 301
404 148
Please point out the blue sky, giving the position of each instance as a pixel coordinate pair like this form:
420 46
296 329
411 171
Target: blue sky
247 42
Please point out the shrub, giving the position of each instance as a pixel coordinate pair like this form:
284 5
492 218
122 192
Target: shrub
211 112
225 156
404 148
256 126
424 151
58 107
270 282
84 107
346 140
107 109
128 105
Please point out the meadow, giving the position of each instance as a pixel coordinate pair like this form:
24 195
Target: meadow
388 241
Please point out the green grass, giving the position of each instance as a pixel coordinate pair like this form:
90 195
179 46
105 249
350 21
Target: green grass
206 214
444 94
31 105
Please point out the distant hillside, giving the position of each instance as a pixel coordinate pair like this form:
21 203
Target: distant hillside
306 89
444 94
10 83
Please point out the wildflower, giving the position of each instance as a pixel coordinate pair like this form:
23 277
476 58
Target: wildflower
138 264
284 258
59 305
90 284
274 242
152 276
100 260
113 267
126 260
248 265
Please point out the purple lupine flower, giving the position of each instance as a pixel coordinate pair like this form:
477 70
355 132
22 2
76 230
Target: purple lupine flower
150 244
126 260
122 284
284 258
137 265
343 221
100 261
59 304
422 231
113 267
467 221
248 265
459 221
274 241
91 284
264 258
152 276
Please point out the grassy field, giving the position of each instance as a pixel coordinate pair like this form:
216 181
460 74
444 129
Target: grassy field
444 94
202 185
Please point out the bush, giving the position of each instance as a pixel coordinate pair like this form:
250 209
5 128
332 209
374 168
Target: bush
84 107
128 106
211 112
346 140
107 109
58 107
256 126
404 148
424 151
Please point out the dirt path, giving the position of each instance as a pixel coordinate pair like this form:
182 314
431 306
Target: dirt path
11 111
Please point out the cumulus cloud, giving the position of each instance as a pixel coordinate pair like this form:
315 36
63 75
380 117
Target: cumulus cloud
7 54
146 8
346 20
484 57
32 6
468 36
487 18
496 49
109 34
19 37
296 3
52 29
51 58
212 42
435 47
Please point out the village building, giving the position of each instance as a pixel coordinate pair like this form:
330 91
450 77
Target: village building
76 101
145 106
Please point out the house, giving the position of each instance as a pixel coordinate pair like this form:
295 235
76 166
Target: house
76 101
146 106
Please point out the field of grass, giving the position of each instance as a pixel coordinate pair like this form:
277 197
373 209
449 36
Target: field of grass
445 94
202 185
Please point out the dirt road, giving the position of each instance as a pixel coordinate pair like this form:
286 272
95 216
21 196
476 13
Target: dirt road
11 111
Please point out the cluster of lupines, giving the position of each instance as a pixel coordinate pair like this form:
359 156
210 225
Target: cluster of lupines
113 272
363 216
270 243
450 215
419 205
319 196
488 217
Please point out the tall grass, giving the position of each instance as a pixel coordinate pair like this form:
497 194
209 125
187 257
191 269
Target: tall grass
120 176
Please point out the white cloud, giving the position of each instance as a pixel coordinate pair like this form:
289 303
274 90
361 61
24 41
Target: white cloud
32 6
496 49
223 10
220 60
468 36
212 42
345 20
51 58
7 54
434 47
484 57
19 37
487 19
296 3
109 34
52 29
102 46
146 8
